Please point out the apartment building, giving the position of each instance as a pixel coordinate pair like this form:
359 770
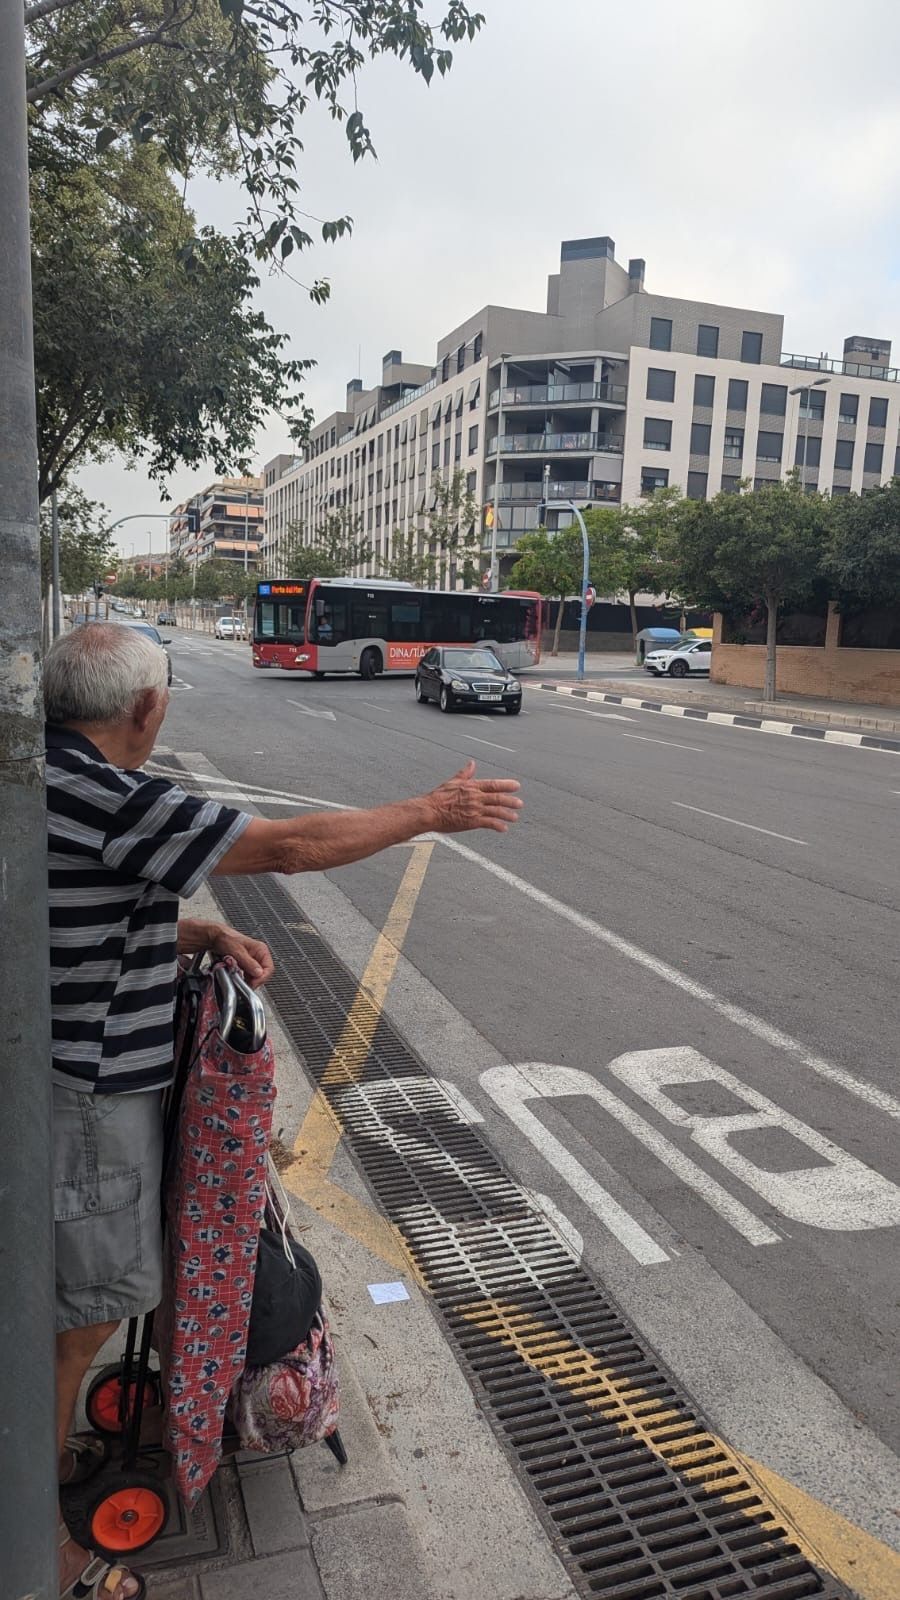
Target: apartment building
619 390
224 521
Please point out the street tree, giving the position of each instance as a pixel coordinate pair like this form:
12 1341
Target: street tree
146 337
333 551
551 564
737 550
220 87
407 564
605 546
86 549
647 534
862 560
452 528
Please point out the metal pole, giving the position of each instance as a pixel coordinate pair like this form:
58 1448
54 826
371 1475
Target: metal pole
569 505
28 1467
56 613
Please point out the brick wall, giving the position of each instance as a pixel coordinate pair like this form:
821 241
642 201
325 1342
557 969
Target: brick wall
871 677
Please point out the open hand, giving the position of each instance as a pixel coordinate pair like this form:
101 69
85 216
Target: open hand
466 802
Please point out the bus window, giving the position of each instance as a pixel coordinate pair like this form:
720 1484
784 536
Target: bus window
370 616
406 621
265 620
291 624
331 619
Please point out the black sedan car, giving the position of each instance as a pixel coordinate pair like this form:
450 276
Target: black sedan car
467 678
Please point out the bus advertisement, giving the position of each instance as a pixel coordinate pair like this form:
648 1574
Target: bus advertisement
371 625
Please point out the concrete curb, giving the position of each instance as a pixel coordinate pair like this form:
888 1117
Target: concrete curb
730 719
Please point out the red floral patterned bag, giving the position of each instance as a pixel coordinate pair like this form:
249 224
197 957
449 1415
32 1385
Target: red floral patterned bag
215 1198
293 1402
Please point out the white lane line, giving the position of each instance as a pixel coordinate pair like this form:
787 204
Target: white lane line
179 683
312 711
757 1026
736 824
475 740
373 707
646 739
604 716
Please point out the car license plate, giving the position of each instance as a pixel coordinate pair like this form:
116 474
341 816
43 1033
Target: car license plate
490 697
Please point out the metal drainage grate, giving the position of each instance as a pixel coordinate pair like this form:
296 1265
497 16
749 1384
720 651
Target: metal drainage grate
641 1501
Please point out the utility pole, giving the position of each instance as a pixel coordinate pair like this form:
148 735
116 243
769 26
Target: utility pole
28 1466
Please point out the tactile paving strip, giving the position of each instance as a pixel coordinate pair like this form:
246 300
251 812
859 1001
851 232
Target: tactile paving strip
641 1500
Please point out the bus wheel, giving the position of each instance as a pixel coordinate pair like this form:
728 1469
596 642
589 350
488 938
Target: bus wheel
370 663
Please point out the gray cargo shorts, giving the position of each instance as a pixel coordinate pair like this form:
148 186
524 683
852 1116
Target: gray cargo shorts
107 1168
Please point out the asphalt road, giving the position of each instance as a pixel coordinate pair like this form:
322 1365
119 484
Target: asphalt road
690 943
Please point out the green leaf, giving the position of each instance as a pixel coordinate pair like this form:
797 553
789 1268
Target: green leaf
104 139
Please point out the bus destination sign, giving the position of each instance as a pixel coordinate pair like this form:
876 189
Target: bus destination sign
280 590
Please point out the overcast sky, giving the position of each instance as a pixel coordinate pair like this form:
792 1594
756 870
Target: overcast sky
749 151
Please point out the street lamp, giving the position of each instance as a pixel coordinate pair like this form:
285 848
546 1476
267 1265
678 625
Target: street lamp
569 505
498 474
804 388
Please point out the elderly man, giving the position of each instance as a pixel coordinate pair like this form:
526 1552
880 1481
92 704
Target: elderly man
124 847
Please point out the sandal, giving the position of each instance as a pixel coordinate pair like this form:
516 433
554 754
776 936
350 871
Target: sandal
99 1579
89 1453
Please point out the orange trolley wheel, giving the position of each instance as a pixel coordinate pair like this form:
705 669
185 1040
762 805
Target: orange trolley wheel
127 1515
103 1401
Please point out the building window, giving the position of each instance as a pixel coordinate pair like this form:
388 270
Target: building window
773 399
473 439
696 485
471 481
874 457
436 454
734 443
660 384
704 390
447 451
660 333
811 449
840 488
737 394
653 478
897 462
849 408
460 358
730 485
477 345
812 404
457 447
707 341
657 433
445 369
769 446
751 347
843 454
700 435
877 413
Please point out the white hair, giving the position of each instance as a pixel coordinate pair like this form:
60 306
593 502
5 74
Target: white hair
96 672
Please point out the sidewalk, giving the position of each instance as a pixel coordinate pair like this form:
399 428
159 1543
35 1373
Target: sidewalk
428 1507
609 675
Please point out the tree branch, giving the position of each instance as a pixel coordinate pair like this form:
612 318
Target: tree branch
44 8
39 91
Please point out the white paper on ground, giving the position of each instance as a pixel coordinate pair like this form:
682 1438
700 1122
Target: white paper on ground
384 1293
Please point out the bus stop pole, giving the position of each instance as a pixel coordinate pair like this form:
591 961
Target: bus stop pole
28 1467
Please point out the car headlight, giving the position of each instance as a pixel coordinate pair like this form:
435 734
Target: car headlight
513 683
458 686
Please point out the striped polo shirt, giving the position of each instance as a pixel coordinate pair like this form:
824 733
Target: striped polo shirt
123 848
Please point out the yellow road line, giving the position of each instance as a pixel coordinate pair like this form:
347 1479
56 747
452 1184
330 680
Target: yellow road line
320 1134
826 1539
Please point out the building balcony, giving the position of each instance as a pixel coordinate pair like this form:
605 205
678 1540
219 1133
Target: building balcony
567 489
556 394
512 444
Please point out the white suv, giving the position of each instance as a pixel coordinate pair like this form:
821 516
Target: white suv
230 628
685 658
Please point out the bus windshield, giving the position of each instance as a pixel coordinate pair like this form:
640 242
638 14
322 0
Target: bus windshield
280 612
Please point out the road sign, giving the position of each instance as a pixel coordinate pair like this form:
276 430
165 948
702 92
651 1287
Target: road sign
590 595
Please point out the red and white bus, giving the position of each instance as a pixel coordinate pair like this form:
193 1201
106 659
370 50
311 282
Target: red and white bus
371 625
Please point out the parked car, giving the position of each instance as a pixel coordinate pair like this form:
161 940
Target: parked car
230 628
695 656
167 619
150 631
467 679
